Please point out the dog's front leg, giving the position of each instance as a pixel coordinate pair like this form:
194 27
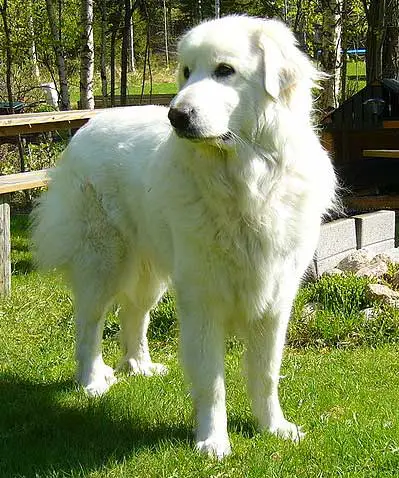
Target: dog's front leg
265 344
202 351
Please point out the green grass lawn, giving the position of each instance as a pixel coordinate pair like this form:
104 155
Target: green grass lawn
163 83
346 398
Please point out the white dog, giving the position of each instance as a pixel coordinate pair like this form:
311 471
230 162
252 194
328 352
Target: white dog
221 195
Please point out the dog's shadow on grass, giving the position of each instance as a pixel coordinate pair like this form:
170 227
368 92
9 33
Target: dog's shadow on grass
40 437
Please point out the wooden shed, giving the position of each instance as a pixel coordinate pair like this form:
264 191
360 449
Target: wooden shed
367 120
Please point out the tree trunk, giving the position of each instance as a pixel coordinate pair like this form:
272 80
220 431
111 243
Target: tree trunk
375 39
165 30
55 33
390 52
132 62
87 56
125 49
7 36
330 52
33 52
114 21
112 65
344 47
103 48
217 8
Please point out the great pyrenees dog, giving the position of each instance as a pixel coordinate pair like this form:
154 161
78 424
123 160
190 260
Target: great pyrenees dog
220 195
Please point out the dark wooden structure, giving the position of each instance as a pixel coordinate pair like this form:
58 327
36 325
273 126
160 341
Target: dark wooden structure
369 120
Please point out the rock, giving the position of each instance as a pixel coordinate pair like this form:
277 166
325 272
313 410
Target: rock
395 280
309 311
377 267
383 293
383 258
369 313
333 272
393 254
355 261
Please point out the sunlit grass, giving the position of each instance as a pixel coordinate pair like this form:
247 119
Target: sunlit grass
346 399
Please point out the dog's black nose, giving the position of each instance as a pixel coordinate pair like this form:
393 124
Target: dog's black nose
180 118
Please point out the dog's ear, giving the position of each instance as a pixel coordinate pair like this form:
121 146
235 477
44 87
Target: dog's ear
285 67
272 67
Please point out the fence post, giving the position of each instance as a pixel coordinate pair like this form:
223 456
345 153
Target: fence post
5 246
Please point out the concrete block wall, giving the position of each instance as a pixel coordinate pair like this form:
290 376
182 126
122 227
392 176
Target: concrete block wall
337 240
374 231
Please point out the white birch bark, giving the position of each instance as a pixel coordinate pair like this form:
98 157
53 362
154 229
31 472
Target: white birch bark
132 62
33 53
331 52
87 56
165 27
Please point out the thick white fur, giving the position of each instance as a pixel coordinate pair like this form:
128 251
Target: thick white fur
231 220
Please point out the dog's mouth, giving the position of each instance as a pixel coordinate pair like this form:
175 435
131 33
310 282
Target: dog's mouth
225 138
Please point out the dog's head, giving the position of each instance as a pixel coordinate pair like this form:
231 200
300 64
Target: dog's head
230 71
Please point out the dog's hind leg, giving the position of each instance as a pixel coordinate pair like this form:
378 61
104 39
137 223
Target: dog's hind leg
93 374
134 316
265 343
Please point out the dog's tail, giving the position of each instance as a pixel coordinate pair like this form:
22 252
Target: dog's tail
55 218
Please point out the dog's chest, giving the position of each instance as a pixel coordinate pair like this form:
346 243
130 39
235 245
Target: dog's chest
242 260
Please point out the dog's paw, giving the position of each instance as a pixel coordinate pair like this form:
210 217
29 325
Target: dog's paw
100 382
214 447
288 431
148 369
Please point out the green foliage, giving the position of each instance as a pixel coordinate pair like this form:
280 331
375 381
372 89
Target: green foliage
340 295
337 319
30 27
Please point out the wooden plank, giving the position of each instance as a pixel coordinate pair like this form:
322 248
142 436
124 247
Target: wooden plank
12 125
391 124
5 247
381 153
21 181
372 202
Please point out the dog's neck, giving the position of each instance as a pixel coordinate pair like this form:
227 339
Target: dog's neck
234 182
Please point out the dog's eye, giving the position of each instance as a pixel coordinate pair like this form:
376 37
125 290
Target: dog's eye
224 71
186 72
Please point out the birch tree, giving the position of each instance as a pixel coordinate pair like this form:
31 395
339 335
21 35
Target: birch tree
165 30
132 61
125 50
87 56
56 40
330 51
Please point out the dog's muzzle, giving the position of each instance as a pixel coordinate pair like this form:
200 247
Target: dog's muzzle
183 121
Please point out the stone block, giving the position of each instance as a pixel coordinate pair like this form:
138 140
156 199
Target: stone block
337 240
375 231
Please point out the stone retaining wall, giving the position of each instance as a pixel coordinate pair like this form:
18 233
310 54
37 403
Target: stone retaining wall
374 232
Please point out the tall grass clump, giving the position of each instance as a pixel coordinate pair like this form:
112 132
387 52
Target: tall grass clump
341 295
337 311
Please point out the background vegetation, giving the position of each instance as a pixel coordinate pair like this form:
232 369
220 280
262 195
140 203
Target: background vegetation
142 34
